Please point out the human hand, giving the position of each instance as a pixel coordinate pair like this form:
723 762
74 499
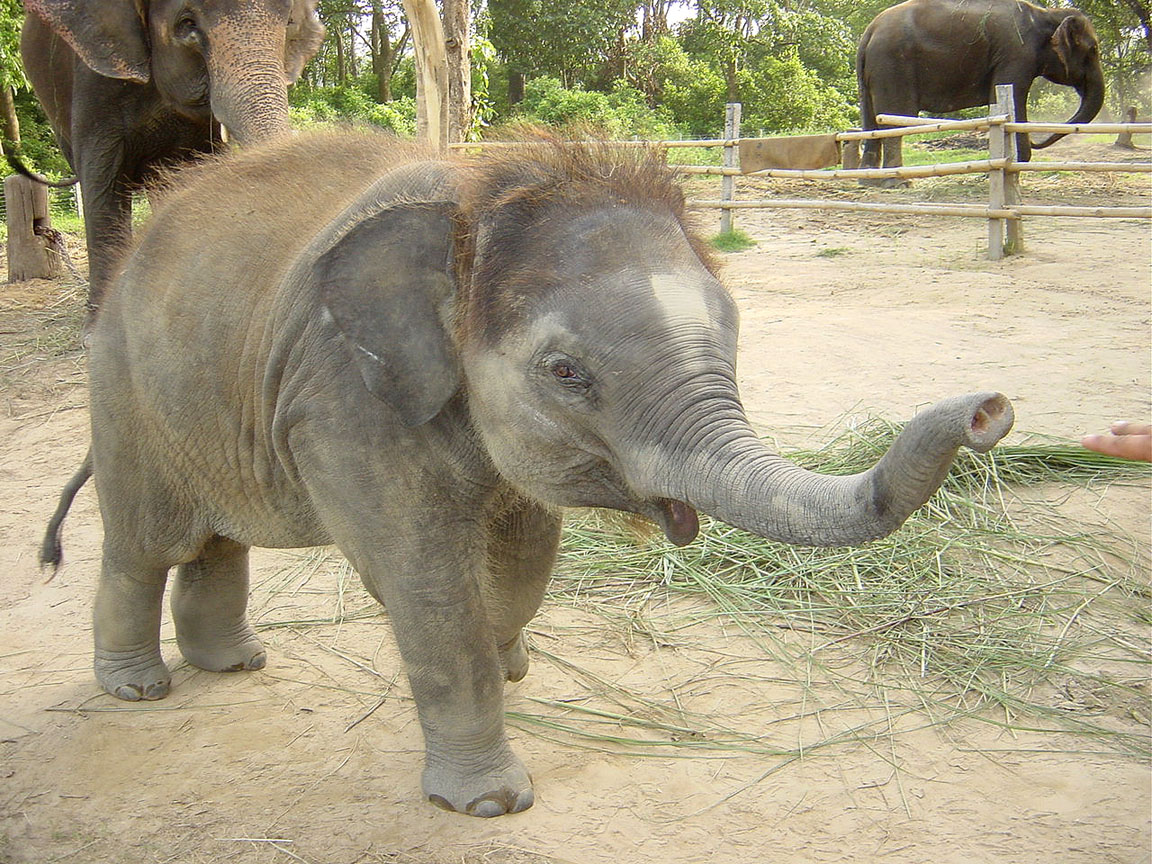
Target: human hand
1128 441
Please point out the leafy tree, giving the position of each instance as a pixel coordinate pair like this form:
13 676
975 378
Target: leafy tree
11 73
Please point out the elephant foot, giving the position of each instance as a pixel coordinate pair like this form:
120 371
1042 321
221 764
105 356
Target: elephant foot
236 652
133 675
494 792
514 658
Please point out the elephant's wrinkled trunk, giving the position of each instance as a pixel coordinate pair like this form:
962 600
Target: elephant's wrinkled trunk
743 483
1091 101
249 84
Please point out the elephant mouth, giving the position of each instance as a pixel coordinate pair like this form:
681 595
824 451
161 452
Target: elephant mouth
677 519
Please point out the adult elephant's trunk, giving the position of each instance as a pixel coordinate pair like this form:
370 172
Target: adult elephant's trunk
249 86
743 483
1091 101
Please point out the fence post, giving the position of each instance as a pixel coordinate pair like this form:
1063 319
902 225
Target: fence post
29 253
731 157
1003 185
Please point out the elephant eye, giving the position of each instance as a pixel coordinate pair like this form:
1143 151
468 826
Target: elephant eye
186 29
567 372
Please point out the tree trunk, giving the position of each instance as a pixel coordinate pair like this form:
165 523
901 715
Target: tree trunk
9 122
515 87
456 39
353 72
341 67
381 54
30 255
431 72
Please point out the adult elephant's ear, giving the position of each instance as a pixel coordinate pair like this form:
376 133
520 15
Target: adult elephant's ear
107 35
1072 39
388 284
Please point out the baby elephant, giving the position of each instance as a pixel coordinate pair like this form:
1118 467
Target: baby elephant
336 339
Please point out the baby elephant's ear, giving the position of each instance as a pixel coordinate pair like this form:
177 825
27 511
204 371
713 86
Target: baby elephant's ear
388 284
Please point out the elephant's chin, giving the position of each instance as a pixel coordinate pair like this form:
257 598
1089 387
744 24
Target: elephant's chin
678 520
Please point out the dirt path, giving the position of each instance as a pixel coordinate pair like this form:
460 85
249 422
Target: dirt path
318 757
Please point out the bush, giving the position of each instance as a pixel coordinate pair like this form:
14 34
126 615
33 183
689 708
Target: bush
312 106
622 113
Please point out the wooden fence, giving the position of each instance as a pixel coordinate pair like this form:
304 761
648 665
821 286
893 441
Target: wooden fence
1004 210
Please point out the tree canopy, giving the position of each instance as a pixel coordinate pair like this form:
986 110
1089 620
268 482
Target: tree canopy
634 67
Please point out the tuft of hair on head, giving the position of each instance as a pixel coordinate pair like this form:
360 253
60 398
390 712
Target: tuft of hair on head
529 166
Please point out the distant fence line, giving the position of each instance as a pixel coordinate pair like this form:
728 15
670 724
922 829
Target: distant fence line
1004 211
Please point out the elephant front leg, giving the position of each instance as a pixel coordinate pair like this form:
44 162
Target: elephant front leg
431 587
126 629
522 547
209 603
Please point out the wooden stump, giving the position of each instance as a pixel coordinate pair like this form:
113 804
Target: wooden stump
1124 139
30 255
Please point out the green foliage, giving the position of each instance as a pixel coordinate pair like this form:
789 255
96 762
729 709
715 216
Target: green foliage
37 141
623 113
11 17
568 41
314 105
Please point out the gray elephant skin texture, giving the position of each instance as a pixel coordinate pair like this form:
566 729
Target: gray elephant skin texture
946 55
333 339
131 85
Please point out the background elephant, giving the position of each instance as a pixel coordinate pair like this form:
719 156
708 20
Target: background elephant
945 55
130 84
420 361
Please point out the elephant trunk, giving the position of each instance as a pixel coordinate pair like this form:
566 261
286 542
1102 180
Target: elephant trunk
1091 93
743 483
250 88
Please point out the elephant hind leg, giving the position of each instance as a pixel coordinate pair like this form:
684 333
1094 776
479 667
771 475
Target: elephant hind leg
209 607
126 628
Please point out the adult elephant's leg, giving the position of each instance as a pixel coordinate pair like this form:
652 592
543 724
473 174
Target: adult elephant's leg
107 228
209 603
126 626
521 552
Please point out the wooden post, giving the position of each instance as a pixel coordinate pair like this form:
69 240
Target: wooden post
1003 188
29 254
1013 228
731 157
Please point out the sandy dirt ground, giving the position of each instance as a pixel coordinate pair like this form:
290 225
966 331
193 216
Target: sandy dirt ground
318 757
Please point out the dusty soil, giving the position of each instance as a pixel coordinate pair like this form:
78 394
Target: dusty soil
318 757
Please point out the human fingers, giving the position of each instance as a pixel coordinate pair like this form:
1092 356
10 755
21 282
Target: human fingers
1128 427
1126 446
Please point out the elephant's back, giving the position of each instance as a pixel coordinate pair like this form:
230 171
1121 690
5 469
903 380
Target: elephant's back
247 216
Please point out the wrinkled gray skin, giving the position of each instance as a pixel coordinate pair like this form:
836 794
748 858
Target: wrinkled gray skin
946 55
129 85
351 347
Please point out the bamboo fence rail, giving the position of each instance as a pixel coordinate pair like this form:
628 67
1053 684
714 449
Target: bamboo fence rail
1004 210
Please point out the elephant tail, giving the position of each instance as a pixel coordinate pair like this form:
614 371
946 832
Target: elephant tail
51 551
16 161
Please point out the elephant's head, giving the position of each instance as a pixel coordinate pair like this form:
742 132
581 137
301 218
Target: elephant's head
561 292
1072 58
233 58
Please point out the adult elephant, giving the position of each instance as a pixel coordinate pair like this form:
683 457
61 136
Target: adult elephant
945 55
129 85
